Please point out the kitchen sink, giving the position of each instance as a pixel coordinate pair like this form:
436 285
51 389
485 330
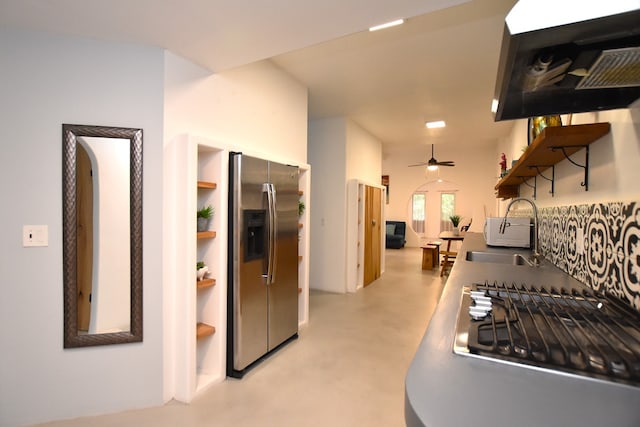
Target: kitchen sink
497 258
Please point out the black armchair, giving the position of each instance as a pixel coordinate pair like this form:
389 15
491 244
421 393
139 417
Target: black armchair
395 237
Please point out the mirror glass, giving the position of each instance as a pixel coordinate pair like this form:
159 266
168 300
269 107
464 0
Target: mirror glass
102 180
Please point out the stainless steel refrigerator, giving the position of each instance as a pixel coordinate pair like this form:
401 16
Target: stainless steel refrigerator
262 309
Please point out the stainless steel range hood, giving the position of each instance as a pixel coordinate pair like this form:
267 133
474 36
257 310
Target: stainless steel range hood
568 56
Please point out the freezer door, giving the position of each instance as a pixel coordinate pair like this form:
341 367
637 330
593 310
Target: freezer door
249 292
283 291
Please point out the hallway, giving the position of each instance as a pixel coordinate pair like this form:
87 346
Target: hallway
347 367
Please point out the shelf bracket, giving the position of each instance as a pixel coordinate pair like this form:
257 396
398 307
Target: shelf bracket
585 182
552 180
534 186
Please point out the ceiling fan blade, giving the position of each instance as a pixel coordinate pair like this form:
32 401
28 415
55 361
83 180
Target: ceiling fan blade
433 162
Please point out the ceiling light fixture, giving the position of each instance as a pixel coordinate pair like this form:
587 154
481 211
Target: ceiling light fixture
387 25
432 167
436 124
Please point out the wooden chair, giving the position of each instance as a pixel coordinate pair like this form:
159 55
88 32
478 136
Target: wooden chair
449 257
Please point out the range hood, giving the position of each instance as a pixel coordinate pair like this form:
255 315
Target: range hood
568 56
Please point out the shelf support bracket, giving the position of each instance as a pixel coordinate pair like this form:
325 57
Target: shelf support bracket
551 180
585 182
534 186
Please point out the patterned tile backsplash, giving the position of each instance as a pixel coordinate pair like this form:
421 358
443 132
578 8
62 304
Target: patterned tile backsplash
610 235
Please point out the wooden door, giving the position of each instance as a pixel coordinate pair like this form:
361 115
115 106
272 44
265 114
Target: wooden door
372 234
84 225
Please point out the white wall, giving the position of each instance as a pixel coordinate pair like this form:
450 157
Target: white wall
474 175
255 107
363 155
46 81
614 159
327 156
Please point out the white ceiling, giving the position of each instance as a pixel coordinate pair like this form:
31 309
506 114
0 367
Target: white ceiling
441 64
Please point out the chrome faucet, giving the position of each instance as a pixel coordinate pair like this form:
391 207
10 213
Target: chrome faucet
536 257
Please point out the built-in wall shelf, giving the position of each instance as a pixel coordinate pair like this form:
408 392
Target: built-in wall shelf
204 330
207 185
198 170
300 192
206 234
300 225
553 145
205 283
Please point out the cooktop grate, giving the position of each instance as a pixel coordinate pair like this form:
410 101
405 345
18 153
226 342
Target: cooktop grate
581 331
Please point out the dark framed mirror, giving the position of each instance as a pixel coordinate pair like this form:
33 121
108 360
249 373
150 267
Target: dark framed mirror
102 235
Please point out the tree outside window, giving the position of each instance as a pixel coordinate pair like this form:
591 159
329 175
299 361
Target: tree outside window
418 212
447 208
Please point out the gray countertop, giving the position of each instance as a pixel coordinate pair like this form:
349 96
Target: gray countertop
446 389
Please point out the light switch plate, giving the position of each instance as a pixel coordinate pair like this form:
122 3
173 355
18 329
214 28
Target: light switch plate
35 235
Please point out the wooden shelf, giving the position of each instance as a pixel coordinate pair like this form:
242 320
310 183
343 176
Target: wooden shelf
300 192
205 283
299 258
207 184
206 234
553 145
299 225
204 330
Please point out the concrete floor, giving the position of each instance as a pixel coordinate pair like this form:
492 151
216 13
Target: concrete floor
347 367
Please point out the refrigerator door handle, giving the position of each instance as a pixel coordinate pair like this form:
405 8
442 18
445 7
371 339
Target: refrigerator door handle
274 226
271 232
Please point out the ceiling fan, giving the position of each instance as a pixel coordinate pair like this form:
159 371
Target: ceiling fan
432 163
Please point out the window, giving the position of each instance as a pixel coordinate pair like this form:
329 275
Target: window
418 212
447 208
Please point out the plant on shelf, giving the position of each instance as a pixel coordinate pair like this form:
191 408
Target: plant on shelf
300 207
204 217
201 270
455 220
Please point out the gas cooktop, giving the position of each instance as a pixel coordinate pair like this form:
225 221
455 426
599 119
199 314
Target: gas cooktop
579 332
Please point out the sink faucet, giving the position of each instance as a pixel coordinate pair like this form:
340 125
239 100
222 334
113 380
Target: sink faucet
536 257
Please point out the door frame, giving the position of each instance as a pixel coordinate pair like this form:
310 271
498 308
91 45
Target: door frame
355 233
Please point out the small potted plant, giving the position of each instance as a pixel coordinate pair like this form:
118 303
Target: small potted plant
201 270
455 220
204 217
301 207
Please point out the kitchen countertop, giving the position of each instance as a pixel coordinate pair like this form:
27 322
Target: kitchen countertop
446 389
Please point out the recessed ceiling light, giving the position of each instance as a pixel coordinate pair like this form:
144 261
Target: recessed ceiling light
387 25
436 124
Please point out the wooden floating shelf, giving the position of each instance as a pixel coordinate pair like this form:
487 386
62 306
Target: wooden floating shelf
299 258
553 145
207 184
299 290
300 192
206 283
299 225
204 330
206 234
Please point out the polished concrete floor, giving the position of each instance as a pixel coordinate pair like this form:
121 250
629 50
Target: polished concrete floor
347 367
